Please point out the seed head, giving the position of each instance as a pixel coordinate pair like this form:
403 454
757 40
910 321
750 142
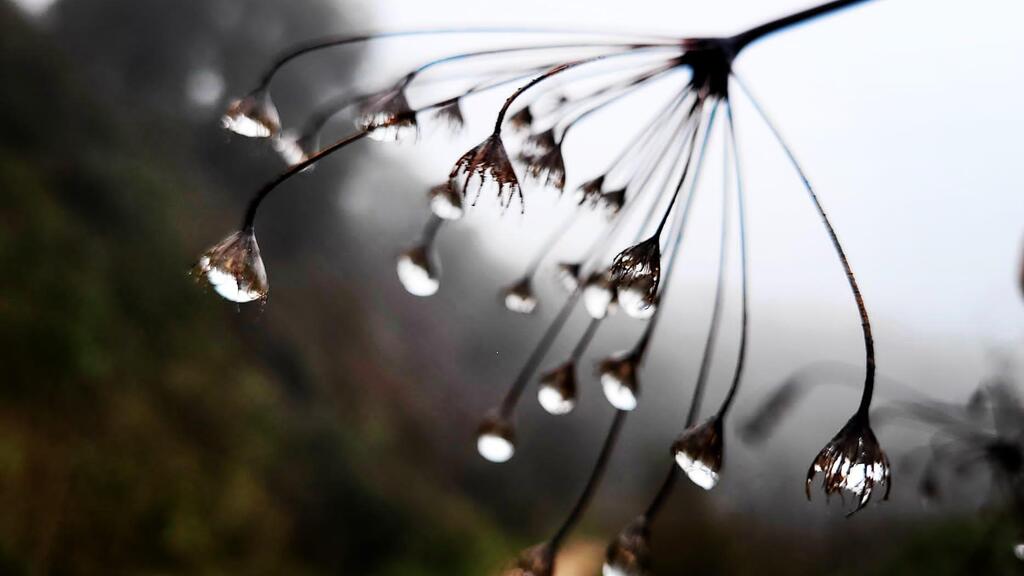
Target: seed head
557 393
629 554
488 165
521 120
547 167
253 116
590 192
520 297
451 115
234 268
569 275
495 438
619 380
419 271
613 201
699 451
852 461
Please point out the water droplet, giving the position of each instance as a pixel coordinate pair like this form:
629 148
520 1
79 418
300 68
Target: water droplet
234 269
495 439
598 295
253 116
519 297
557 393
418 272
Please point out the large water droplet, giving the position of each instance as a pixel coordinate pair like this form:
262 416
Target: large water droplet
418 272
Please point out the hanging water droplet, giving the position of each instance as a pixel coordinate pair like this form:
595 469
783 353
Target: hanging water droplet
1018 551
495 439
446 202
598 295
698 452
418 271
636 298
619 382
519 297
234 268
557 393
569 275
253 116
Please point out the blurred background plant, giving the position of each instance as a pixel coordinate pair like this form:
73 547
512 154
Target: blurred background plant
146 428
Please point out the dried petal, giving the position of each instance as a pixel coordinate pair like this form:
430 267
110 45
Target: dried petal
521 120
590 191
495 438
613 201
629 554
548 168
419 271
253 116
451 115
619 380
487 165
520 297
234 268
699 451
852 461
557 392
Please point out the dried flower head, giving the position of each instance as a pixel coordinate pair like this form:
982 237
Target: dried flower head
590 192
538 144
569 275
639 267
852 461
234 268
619 380
521 120
537 560
296 148
387 117
451 115
547 167
557 393
629 554
445 202
495 438
638 297
419 271
613 200
253 116
488 165
520 297
599 294
699 451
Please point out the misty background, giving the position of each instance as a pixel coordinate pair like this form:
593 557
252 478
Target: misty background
147 427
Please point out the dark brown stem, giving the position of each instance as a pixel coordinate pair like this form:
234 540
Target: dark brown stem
254 204
741 40
865 322
744 316
592 483
588 336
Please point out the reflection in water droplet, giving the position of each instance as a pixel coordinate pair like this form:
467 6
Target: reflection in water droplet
554 402
618 393
598 295
234 269
636 299
417 273
253 116
520 297
699 473
445 202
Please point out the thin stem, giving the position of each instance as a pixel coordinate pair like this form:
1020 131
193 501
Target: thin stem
675 193
741 216
624 90
742 39
254 204
335 41
430 229
515 391
588 336
644 139
865 322
668 484
592 483
633 49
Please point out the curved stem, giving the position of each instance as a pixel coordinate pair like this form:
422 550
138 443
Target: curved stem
703 148
254 204
865 322
633 49
430 229
743 39
592 483
741 215
335 41
624 89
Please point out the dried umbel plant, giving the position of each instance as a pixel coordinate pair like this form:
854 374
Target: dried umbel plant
646 191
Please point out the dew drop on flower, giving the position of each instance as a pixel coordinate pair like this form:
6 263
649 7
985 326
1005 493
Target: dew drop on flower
520 297
569 276
636 298
557 393
418 272
698 452
618 380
